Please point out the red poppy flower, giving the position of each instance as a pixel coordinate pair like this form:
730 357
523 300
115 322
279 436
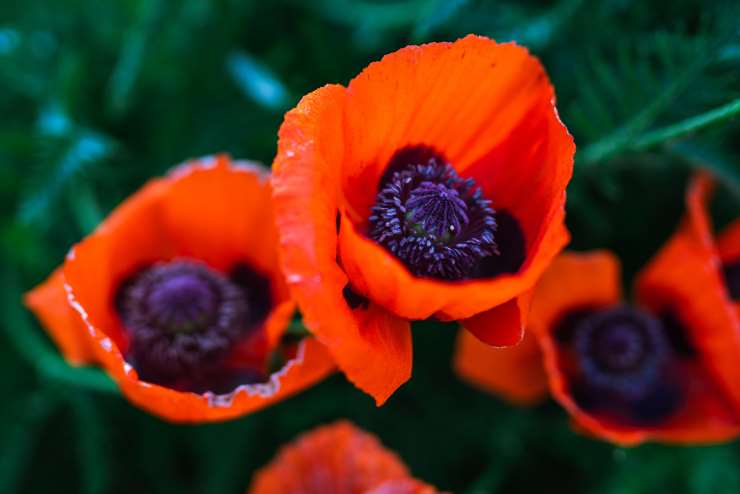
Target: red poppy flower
665 369
336 459
728 247
432 186
178 295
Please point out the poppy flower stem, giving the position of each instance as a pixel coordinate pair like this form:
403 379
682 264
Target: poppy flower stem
48 365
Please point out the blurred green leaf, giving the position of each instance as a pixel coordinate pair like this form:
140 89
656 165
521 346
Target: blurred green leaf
257 82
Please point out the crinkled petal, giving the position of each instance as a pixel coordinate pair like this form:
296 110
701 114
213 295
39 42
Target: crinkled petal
371 345
685 279
335 459
49 302
381 277
503 325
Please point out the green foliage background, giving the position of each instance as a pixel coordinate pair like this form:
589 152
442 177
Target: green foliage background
98 96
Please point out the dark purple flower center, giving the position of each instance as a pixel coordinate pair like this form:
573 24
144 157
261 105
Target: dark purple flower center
183 319
731 272
621 350
437 223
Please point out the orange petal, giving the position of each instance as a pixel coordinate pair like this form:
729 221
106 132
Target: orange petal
728 246
49 302
573 281
381 277
370 345
462 99
516 373
685 279
403 486
337 459
221 213
503 325
132 236
728 243
707 419
311 364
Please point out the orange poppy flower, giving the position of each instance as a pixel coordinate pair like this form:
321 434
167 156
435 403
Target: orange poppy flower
432 186
336 459
663 370
178 295
728 248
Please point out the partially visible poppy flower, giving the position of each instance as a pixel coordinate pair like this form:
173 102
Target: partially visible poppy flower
432 186
336 459
178 295
664 369
728 246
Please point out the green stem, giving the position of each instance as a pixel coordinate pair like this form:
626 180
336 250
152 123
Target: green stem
602 150
688 126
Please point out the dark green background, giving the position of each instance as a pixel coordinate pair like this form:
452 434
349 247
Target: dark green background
97 96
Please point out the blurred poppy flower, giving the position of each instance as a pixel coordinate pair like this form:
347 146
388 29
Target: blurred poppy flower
336 459
432 186
728 248
665 369
625 373
178 295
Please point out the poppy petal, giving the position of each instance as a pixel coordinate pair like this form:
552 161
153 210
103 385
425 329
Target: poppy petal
728 243
403 486
378 275
336 458
707 419
574 281
132 236
503 325
460 98
728 246
685 278
370 345
311 364
236 228
49 302
516 373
